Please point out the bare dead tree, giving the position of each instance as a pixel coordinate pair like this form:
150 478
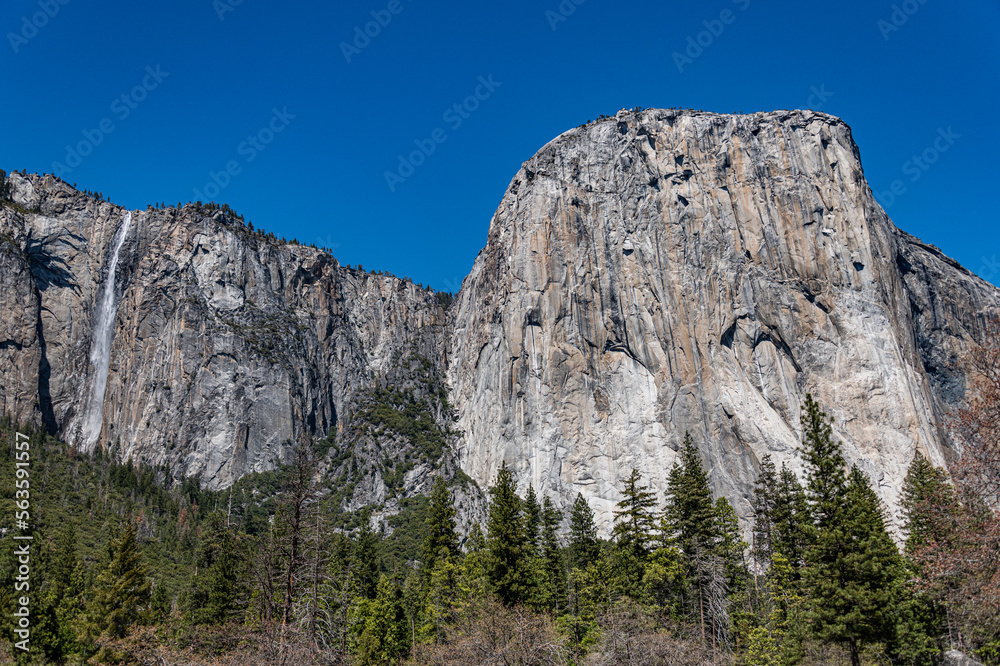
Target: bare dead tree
491 634
960 565
313 572
300 492
264 574
717 590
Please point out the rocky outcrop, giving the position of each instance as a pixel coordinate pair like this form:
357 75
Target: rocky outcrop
667 271
956 658
646 275
229 346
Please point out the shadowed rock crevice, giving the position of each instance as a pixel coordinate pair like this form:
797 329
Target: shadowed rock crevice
44 379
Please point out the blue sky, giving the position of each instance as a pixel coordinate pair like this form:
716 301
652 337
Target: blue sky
308 127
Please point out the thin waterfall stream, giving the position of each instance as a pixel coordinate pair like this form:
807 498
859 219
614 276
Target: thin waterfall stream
100 350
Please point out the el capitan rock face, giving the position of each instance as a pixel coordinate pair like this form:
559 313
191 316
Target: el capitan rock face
650 274
669 271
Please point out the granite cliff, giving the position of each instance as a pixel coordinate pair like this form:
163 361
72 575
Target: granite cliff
649 274
669 271
229 346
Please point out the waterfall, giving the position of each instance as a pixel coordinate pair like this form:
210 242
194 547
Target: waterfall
100 350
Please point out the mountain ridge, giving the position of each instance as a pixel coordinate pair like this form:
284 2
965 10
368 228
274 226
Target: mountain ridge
230 346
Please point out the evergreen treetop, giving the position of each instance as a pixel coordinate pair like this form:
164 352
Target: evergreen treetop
583 544
763 504
122 590
634 516
532 517
689 520
365 561
382 622
825 461
440 525
552 556
791 520
729 543
853 572
926 497
551 518
506 544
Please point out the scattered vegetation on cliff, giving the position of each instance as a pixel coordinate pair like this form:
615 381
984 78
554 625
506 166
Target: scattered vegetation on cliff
402 423
602 117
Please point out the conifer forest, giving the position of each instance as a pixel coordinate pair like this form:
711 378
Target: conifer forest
125 569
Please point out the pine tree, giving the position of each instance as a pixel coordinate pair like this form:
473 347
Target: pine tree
690 522
473 575
926 497
214 589
763 504
777 640
65 589
506 544
440 525
442 595
121 591
57 589
532 513
634 517
928 504
583 544
853 567
414 595
689 519
827 483
159 602
476 542
65 562
364 562
920 624
730 549
633 528
552 556
384 637
791 520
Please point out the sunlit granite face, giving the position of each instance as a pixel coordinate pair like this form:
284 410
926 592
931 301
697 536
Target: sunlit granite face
667 271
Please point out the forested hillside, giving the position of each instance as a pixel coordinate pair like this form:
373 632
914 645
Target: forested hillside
124 569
